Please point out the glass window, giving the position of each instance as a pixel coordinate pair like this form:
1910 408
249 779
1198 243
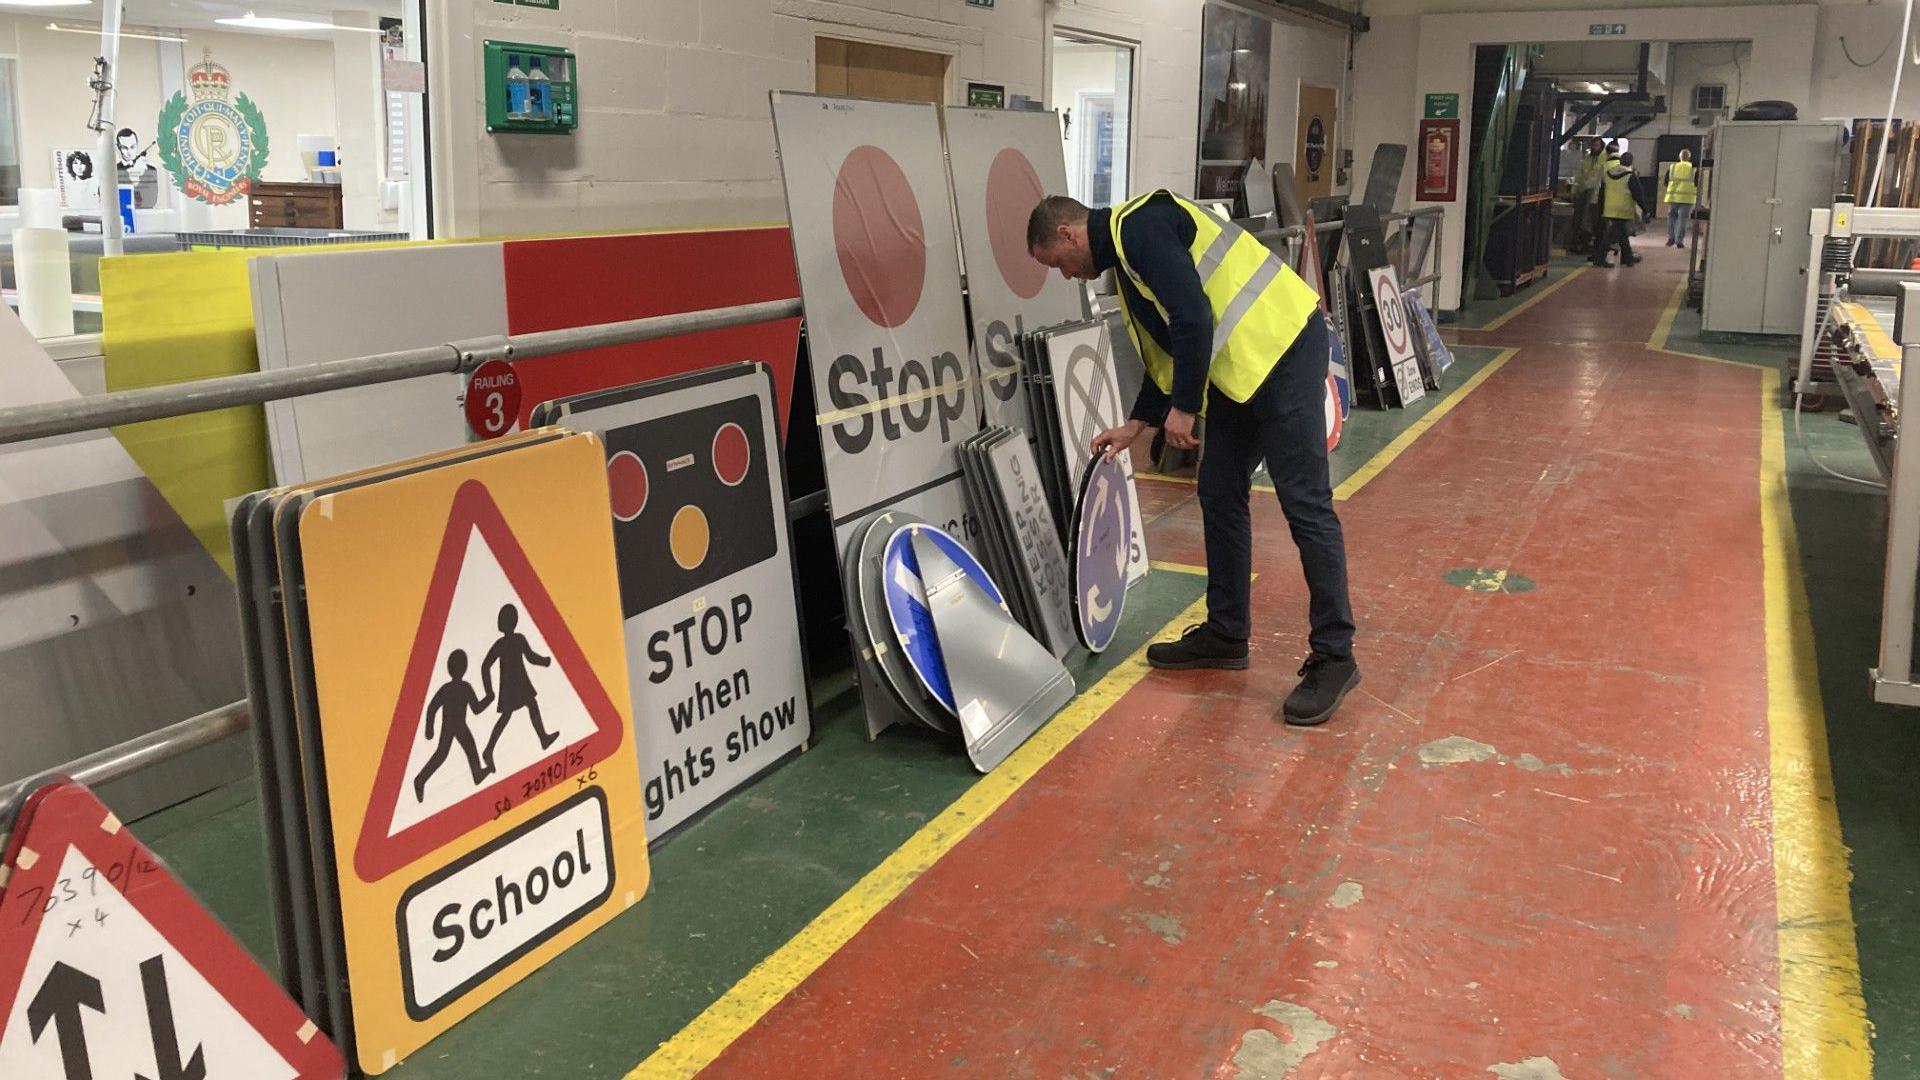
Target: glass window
9 133
1093 90
228 129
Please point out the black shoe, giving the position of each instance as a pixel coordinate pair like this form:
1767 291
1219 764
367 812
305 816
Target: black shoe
1602 263
1635 261
1324 681
1200 647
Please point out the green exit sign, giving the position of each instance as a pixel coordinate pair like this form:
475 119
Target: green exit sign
1606 29
979 3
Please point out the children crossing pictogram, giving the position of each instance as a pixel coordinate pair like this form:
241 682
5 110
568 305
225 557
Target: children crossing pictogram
537 697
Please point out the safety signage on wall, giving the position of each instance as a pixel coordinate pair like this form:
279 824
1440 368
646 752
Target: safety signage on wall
110 968
873 238
1003 164
472 699
1396 331
706 580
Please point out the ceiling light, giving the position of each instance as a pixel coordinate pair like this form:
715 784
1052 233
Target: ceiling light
94 30
45 3
251 21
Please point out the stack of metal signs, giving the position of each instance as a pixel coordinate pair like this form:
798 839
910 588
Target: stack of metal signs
935 641
1018 539
1435 357
704 550
1076 396
440 704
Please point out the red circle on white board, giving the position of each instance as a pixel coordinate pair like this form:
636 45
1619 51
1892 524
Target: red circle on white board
1393 317
879 235
493 399
1013 190
627 484
731 454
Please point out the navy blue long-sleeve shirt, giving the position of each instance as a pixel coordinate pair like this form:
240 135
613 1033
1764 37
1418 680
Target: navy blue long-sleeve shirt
1159 238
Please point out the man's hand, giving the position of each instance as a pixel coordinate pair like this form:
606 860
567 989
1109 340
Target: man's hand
1179 429
1116 440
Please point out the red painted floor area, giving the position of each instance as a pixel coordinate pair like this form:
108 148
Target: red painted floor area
1533 845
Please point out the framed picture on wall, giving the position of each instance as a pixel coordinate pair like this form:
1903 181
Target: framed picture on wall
1236 48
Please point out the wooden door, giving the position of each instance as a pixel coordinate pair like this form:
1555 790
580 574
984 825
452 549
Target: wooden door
1313 151
865 70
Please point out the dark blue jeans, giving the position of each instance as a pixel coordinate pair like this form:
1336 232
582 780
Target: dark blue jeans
1285 424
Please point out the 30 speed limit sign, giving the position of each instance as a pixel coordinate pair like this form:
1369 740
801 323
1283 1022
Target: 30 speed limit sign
1397 333
493 400
1393 316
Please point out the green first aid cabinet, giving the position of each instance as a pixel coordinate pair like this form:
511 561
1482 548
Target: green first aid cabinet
530 88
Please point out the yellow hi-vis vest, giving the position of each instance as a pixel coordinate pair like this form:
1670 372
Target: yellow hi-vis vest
1259 304
1619 197
1680 187
1587 177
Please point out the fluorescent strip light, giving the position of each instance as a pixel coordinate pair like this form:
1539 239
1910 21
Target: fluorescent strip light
250 21
44 3
95 31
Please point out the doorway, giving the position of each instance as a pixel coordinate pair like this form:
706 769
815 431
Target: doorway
863 69
1093 90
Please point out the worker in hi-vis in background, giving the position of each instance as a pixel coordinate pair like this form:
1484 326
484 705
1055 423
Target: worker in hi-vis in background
1681 194
1586 185
1225 328
1621 203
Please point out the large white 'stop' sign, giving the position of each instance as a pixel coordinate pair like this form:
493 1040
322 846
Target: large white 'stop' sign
1003 163
873 240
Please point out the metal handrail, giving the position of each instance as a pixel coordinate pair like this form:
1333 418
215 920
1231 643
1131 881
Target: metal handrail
23 422
124 759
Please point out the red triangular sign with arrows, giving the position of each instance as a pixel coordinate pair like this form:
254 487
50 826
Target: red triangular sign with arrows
109 968
497 697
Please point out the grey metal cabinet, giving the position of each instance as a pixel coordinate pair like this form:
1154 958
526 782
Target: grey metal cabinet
1767 178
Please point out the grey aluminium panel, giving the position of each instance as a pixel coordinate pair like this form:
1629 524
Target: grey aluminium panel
1005 683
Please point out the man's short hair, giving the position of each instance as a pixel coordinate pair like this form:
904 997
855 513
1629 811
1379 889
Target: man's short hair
1053 212
1626 158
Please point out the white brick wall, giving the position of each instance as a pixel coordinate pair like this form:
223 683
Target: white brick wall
674 124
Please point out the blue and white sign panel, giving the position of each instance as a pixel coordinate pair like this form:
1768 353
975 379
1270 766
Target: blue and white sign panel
1103 523
907 603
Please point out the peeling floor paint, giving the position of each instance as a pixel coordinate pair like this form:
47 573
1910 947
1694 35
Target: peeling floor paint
1264 1056
1460 750
1347 894
1326 965
1533 1068
1455 750
1171 930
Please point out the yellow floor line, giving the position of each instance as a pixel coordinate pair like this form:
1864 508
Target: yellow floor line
1525 305
1663 330
1378 462
1824 1034
1177 567
1190 481
709 1034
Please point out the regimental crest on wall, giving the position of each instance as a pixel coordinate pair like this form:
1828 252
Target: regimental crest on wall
213 148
